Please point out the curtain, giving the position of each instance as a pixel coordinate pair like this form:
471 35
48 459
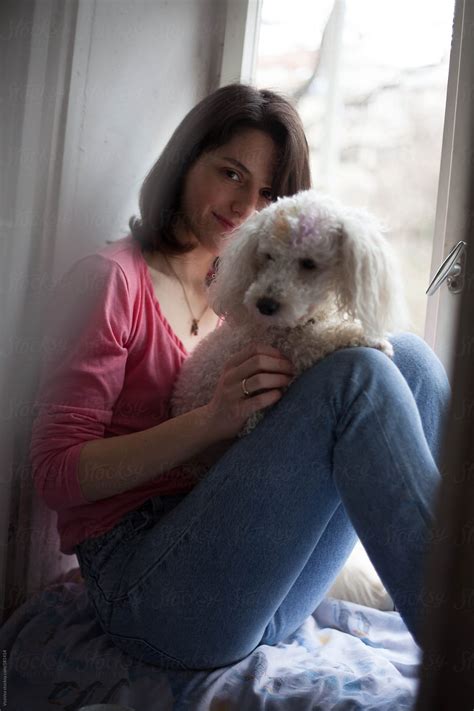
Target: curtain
36 50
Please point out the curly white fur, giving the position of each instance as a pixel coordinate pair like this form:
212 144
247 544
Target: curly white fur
306 275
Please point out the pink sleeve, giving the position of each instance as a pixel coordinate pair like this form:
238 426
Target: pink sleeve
84 358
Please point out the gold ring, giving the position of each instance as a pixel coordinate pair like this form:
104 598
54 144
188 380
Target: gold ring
244 389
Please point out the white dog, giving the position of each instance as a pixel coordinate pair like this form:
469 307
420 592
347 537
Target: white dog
305 275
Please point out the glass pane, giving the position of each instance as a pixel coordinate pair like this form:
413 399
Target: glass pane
369 80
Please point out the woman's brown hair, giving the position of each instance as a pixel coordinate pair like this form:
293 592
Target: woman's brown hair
210 124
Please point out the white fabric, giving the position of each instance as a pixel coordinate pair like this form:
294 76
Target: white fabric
359 582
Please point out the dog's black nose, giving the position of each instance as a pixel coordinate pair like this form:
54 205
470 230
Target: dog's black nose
267 306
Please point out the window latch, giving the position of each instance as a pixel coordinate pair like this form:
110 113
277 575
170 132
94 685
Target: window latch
451 271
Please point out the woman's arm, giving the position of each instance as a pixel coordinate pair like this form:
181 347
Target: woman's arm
116 464
83 373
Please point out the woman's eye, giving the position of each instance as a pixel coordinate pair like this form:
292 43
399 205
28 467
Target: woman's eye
308 264
232 172
267 195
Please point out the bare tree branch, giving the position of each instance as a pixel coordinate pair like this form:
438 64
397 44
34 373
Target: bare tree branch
300 91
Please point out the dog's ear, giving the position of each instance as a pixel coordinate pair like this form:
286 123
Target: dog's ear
368 285
236 270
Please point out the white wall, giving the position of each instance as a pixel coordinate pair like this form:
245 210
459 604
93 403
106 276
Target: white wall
138 68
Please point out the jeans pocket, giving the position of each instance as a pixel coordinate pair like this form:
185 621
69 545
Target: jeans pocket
103 559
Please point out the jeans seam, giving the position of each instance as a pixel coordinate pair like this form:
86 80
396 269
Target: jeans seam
173 545
155 563
408 485
151 646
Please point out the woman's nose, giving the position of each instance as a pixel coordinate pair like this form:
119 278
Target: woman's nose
245 206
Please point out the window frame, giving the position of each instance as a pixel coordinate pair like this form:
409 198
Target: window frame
453 203
241 37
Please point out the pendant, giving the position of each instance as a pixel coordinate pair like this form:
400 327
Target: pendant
194 328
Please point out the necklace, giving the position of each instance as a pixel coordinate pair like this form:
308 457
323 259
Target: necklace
195 321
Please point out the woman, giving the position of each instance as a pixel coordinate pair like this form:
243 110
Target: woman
190 576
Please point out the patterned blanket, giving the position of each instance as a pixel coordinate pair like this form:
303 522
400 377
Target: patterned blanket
345 656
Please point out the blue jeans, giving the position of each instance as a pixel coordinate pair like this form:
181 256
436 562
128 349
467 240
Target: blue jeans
198 581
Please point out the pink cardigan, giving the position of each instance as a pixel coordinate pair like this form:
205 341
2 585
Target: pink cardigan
110 359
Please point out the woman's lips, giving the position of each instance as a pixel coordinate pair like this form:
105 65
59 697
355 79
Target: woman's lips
227 225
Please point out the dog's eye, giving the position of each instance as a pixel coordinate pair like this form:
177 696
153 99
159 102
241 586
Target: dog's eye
268 256
308 264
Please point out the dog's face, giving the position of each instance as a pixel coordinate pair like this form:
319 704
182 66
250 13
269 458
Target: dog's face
295 262
301 255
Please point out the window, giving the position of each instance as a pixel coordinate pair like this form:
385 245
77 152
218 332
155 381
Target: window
369 79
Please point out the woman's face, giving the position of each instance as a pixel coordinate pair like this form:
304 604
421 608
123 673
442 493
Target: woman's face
227 185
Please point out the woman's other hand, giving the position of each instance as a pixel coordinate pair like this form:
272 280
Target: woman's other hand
265 370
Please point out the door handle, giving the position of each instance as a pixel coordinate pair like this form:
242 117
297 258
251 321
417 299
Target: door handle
451 270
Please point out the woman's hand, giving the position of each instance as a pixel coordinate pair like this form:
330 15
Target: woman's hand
266 371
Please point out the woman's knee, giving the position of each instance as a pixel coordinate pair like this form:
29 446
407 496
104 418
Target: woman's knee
346 368
357 357
411 345
418 363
